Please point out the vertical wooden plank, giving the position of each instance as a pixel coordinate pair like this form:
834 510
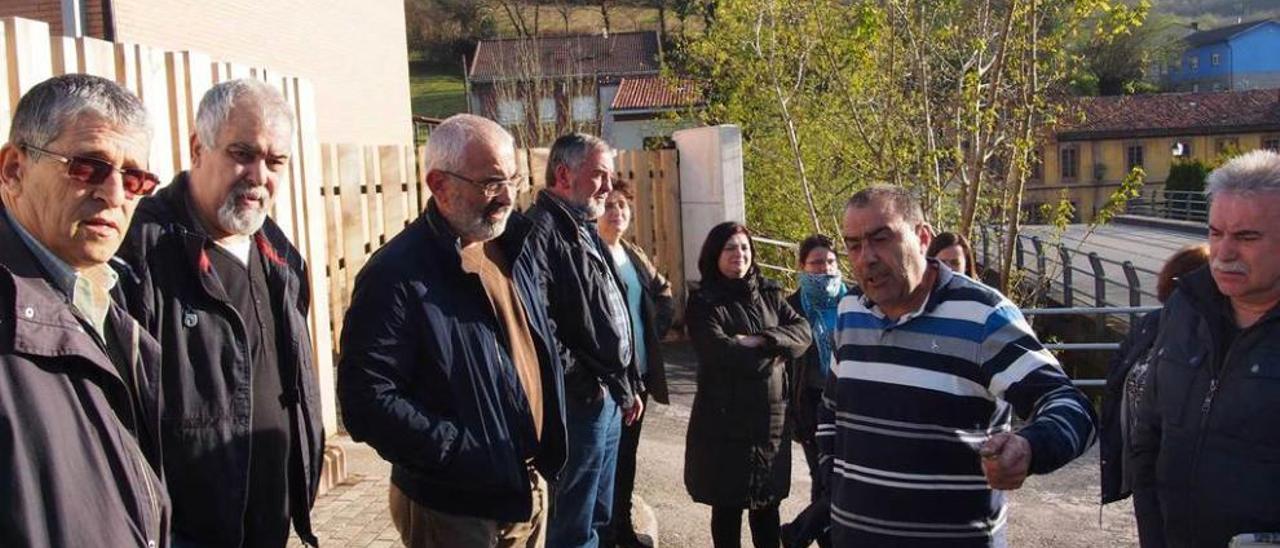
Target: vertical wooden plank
394 205
418 189
200 77
372 191
671 237
332 209
29 57
62 51
288 200
525 198
153 89
97 57
307 167
408 180
127 66
355 227
6 110
175 70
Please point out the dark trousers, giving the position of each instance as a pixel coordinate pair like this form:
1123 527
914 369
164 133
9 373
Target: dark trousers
814 522
622 529
726 526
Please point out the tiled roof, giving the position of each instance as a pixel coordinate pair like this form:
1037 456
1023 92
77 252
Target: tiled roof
652 92
1174 114
620 54
1213 36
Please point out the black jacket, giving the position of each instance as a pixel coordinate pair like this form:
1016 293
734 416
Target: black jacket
1111 443
658 308
577 303
205 425
78 447
737 452
424 379
1206 449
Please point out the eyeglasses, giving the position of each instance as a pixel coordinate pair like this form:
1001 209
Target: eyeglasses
94 172
492 187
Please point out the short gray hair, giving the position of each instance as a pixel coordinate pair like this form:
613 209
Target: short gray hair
570 150
1251 172
904 201
447 145
49 107
218 102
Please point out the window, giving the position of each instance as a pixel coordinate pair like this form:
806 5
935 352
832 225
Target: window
584 108
1215 59
510 112
1217 86
1226 145
1181 149
1070 157
547 109
1133 157
1195 88
1271 142
1195 62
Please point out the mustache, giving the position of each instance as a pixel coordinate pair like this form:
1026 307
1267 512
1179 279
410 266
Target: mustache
246 190
496 208
1229 267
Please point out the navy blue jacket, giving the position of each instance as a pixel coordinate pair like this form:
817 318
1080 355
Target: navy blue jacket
427 379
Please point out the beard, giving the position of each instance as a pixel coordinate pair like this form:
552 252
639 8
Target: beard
477 225
247 219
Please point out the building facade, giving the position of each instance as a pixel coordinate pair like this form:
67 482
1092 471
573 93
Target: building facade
1237 57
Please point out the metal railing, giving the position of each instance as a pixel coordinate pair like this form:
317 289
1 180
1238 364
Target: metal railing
1181 205
1056 272
1088 311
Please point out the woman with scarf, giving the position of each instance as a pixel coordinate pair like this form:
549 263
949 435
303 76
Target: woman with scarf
738 454
817 299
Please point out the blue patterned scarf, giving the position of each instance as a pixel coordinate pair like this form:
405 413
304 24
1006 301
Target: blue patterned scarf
820 296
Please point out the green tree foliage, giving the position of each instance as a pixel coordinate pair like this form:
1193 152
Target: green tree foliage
442 31
1187 175
950 97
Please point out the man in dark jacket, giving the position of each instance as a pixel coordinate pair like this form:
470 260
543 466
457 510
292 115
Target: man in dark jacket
588 305
1207 441
448 367
226 294
79 379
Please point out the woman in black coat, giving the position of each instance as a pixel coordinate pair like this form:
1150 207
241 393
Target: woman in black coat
738 454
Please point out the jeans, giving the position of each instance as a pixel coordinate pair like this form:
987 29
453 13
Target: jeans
582 501
621 528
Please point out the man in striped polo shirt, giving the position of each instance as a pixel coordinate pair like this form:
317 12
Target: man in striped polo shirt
915 432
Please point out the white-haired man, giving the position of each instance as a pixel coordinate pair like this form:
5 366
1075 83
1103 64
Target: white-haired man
221 287
448 367
1206 446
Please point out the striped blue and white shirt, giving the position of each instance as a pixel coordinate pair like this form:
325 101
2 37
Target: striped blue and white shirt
910 402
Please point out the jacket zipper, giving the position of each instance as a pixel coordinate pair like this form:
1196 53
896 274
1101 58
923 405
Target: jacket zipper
139 459
1206 406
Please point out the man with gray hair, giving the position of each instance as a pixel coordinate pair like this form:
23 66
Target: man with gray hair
79 378
588 304
226 294
448 364
1207 442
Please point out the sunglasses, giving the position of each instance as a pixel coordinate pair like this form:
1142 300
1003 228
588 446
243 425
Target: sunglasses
94 172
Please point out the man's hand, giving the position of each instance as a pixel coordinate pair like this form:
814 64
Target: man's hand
631 415
749 341
1006 458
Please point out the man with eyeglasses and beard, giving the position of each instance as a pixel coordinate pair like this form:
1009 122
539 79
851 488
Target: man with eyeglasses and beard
79 380
226 294
448 367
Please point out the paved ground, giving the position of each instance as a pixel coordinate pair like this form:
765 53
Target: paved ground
1059 510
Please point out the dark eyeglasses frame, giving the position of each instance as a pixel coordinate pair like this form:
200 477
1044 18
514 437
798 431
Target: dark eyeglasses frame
138 182
491 188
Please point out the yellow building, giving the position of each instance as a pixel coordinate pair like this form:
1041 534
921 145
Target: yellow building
1090 157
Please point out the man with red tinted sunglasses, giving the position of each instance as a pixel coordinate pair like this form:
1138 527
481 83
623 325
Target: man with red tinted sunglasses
79 378
221 287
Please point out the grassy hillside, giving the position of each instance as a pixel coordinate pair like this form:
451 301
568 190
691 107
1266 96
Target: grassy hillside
436 90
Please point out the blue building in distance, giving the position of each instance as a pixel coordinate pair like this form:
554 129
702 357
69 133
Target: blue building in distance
1237 57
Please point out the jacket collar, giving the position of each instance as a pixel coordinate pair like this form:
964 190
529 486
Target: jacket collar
43 321
1199 288
566 215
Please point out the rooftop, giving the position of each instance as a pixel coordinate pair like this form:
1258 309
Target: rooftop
1174 114
653 92
620 54
1213 36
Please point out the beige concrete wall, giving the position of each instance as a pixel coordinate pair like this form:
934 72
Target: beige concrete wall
354 53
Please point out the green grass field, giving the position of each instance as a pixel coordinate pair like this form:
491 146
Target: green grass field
437 91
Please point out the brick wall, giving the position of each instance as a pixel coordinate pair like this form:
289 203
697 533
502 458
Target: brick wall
353 52
49 11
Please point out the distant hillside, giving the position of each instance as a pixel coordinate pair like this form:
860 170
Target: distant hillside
1218 13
